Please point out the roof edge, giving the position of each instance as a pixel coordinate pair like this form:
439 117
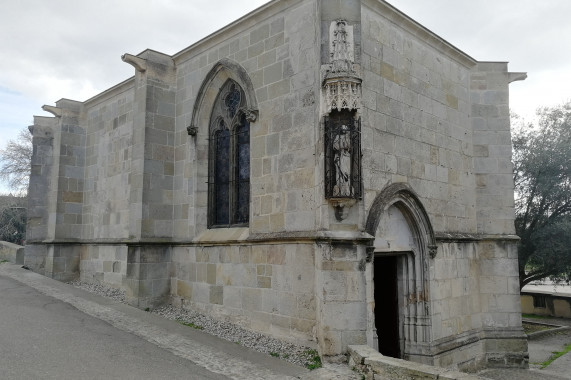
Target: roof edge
110 92
415 28
245 22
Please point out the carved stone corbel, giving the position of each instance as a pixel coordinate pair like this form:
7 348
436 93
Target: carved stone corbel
432 251
56 111
342 207
370 254
251 115
512 77
192 130
139 64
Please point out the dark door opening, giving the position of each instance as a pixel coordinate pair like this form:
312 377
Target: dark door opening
386 305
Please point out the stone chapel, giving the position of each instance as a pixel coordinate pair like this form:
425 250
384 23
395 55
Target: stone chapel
325 171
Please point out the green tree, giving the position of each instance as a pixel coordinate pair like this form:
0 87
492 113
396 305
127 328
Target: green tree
15 162
542 177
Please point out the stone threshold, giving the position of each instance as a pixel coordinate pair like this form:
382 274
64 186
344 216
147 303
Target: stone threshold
375 365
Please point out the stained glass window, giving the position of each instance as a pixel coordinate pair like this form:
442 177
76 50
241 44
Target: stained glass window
242 160
229 169
232 100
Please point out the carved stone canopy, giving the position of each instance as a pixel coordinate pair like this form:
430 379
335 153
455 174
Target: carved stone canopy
342 93
341 82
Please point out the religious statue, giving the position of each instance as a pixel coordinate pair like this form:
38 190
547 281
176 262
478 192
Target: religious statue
341 54
342 160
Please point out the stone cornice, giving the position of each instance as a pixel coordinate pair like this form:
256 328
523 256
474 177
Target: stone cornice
210 237
240 237
466 237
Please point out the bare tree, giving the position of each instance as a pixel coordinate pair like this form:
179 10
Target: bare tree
15 161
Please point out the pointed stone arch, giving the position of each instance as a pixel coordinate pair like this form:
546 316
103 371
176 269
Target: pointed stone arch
222 71
401 195
399 205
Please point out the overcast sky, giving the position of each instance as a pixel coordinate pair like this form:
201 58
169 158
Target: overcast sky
71 49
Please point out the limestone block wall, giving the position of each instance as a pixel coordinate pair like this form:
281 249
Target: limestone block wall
43 135
148 275
62 262
263 287
42 179
505 343
455 290
341 294
416 108
456 305
71 163
153 153
492 148
499 287
475 306
108 152
103 263
278 51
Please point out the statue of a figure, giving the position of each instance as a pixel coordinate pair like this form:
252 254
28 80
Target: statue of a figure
340 56
342 159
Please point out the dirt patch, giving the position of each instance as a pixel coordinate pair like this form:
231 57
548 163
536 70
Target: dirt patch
535 327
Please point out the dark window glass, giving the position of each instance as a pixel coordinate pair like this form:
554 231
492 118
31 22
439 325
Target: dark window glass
242 171
539 302
229 170
222 177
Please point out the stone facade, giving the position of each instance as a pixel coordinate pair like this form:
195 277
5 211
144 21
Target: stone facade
379 169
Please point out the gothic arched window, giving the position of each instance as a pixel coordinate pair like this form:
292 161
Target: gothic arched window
229 159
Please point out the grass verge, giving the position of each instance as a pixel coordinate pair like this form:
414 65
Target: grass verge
313 361
529 328
556 354
190 324
534 316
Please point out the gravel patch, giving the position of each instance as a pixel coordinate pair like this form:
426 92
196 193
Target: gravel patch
100 289
300 355
231 332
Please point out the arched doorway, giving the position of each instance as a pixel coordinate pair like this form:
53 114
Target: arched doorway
399 315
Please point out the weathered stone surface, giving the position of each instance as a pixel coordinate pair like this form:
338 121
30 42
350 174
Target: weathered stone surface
122 186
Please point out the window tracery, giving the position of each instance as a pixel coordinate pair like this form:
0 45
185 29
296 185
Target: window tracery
229 169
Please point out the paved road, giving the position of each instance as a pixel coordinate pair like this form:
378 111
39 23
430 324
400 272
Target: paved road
50 330
44 338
